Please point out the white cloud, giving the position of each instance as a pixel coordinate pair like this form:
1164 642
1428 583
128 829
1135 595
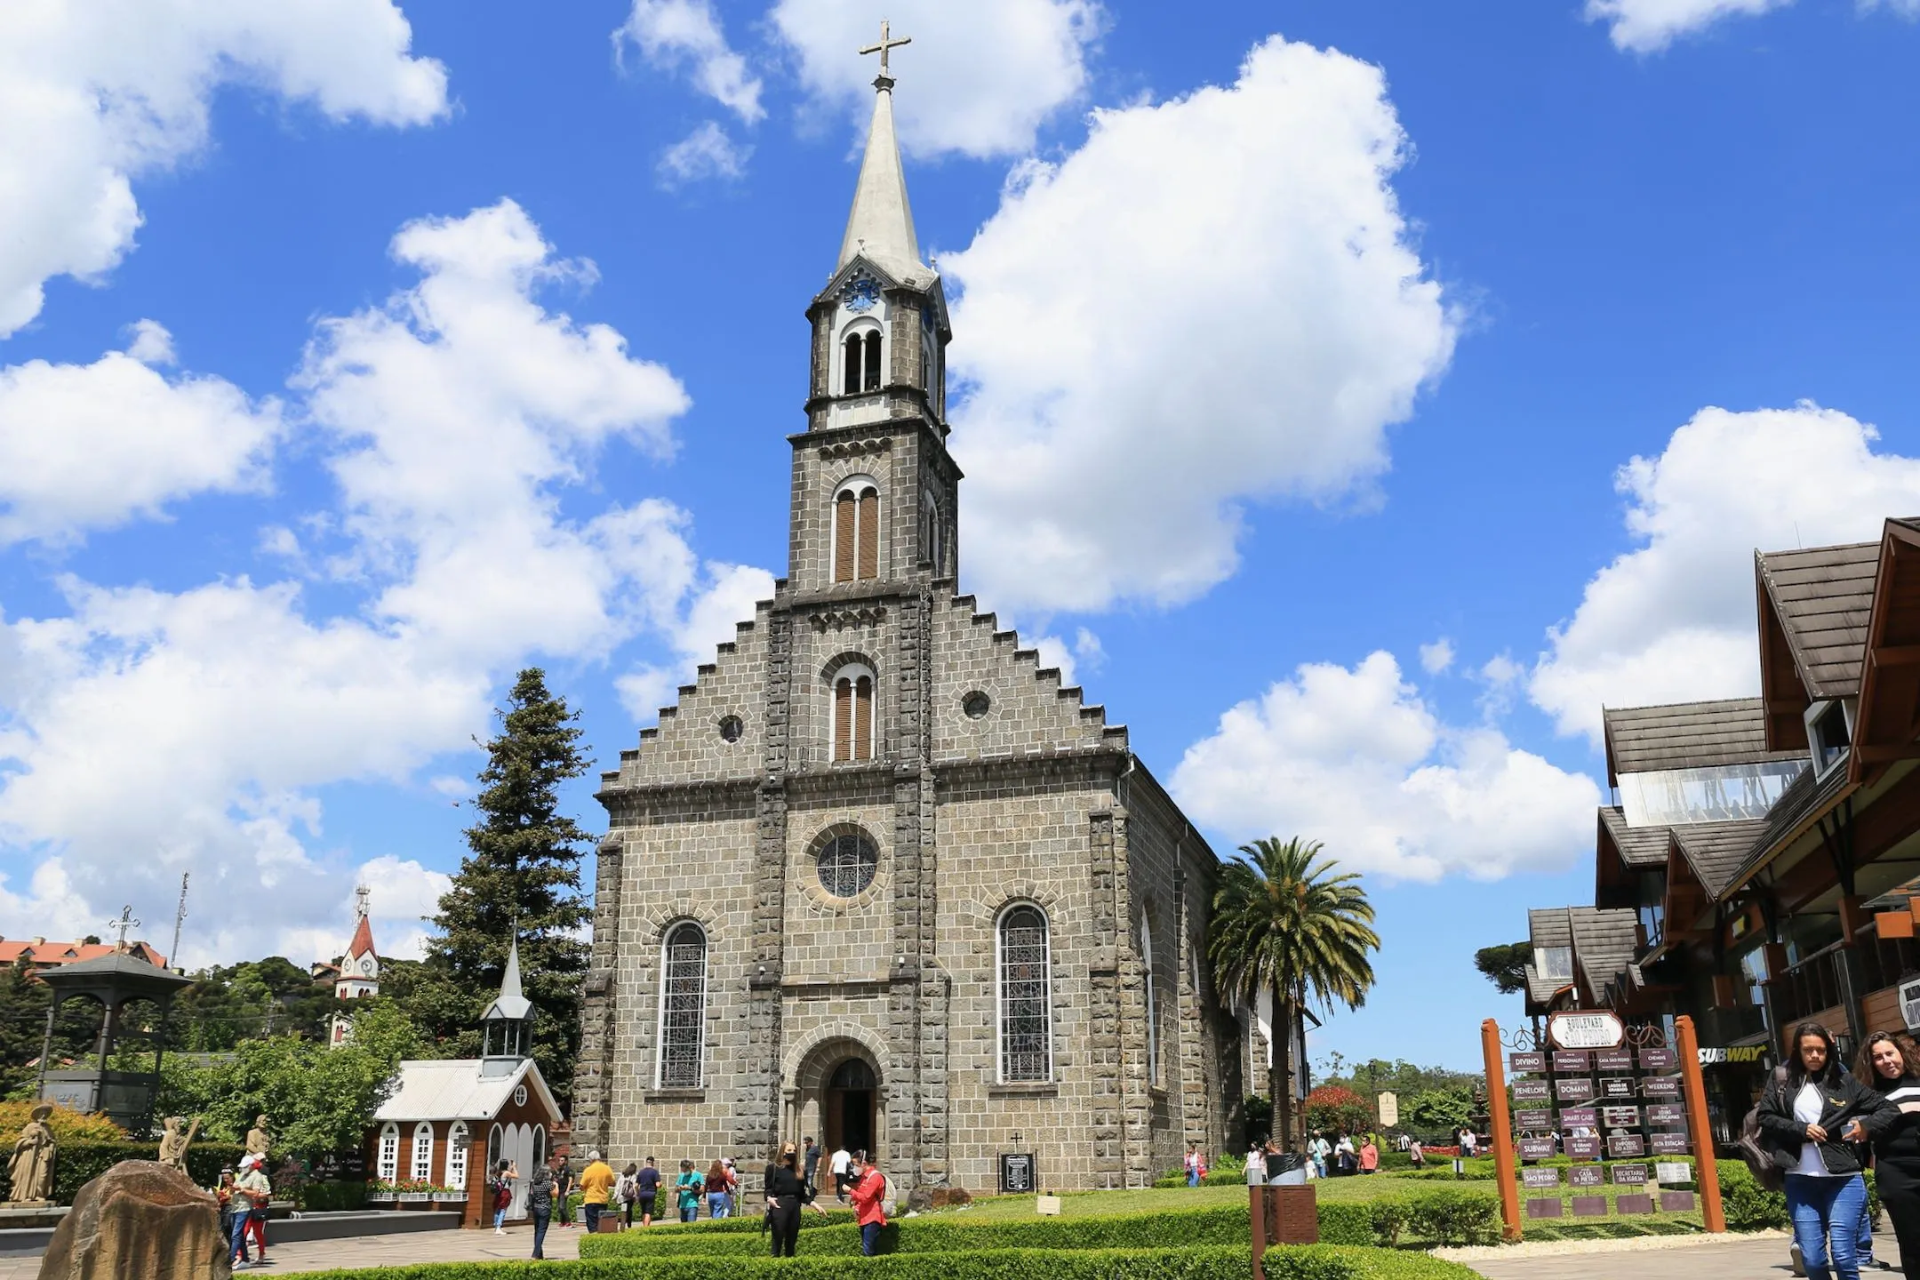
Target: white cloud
92 446
1272 320
1356 759
93 96
453 418
675 34
979 79
1673 619
711 613
1436 657
1649 26
704 154
1055 653
1087 647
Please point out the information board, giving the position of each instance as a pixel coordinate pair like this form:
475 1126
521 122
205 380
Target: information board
1018 1173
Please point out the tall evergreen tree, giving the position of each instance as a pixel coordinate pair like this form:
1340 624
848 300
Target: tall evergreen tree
522 871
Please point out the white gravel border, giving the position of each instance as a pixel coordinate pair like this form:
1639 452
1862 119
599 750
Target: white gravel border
1631 1244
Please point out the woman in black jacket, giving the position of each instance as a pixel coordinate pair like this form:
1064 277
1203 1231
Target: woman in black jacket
1806 1121
1891 1063
786 1192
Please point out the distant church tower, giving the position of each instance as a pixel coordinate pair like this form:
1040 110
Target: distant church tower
359 970
878 878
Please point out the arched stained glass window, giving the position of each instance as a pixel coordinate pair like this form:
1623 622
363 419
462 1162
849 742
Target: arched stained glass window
847 864
1026 995
683 1006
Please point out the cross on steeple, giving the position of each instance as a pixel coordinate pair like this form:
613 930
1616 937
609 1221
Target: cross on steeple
885 44
124 923
360 895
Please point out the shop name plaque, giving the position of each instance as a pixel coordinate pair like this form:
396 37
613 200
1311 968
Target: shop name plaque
1527 1064
1580 1117
1666 1113
1572 1060
1629 1175
1617 1087
1583 1148
1657 1060
1626 1146
1533 1119
1531 1091
1586 1175
1614 1060
1620 1117
1574 1089
1671 1144
1537 1149
1540 1179
1660 1086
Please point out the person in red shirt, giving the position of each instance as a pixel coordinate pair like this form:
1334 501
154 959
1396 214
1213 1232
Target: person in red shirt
869 1189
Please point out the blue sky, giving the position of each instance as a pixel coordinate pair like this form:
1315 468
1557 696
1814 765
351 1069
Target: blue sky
1385 387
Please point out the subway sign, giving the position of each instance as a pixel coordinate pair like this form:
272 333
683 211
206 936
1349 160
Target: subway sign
1754 1053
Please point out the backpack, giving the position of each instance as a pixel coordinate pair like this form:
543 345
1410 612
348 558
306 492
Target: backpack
1753 1151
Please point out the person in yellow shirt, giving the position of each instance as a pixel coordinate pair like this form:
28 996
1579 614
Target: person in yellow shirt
596 1187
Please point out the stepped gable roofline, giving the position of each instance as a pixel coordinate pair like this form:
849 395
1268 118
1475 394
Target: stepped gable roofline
454 1089
1686 735
1813 607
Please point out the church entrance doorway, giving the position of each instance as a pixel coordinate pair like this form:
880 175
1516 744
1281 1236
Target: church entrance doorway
852 1103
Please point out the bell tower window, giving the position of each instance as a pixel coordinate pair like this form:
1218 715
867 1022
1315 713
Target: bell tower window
853 713
856 530
860 353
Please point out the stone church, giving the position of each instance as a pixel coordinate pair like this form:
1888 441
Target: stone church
878 878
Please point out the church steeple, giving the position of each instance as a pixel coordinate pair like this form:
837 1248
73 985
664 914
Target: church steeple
880 227
504 1034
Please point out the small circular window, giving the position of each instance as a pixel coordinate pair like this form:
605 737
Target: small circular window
976 705
731 728
847 863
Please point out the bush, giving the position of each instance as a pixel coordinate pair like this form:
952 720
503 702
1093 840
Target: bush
75 1164
68 1126
1389 1219
1216 1262
1350 1224
1224 1225
330 1197
1748 1205
1455 1217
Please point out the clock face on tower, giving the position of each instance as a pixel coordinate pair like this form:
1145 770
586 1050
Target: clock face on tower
861 295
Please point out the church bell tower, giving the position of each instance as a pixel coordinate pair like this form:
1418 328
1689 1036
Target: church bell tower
874 489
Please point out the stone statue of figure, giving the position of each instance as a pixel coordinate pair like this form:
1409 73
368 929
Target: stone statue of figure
257 1138
32 1165
173 1146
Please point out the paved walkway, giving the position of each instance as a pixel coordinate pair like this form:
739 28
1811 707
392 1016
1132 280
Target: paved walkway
1734 1259
380 1251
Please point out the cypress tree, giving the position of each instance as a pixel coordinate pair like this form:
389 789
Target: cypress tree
523 870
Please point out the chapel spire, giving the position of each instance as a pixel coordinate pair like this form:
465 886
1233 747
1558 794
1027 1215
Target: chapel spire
880 228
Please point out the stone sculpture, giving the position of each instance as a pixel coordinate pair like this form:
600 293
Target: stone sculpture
257 1138
142 1219
31 1168
174 1144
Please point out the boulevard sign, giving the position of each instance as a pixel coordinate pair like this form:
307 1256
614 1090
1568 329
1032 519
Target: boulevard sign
1586 1030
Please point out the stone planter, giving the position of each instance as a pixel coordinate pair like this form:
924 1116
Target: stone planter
449 1197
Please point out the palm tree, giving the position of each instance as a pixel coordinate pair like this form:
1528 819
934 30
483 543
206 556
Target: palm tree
1285 924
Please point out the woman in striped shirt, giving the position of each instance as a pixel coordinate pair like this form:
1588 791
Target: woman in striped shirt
1891 1063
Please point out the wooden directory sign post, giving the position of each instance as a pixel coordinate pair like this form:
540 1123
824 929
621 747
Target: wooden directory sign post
1502 1136
1705 1167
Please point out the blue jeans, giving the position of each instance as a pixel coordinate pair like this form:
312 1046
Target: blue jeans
541 1221
690 1211
1193 1177
591 1212
239 1242
870 1239
1866 1234
1827 1210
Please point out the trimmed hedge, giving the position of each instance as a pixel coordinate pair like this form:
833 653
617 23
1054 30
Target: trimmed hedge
75 1164
1210 1262
1224 1225
748 1224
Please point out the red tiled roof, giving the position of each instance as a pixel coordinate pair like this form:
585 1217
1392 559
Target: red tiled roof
49 953
362 943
